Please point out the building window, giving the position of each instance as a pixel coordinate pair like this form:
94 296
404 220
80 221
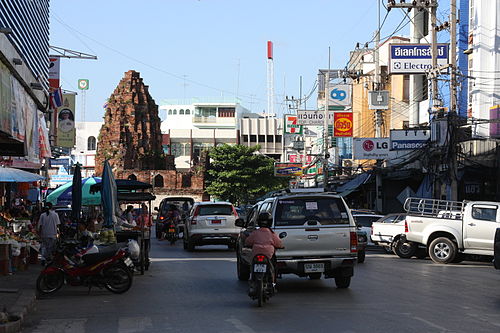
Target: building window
187 149
253 138
406 88
205 112
188 111
91 143
278 138
170 111
226 112
158 181
176 149
245 138
270 138
174 112
262 138
132 177
181 111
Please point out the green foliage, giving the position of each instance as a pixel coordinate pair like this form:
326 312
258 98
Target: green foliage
238 175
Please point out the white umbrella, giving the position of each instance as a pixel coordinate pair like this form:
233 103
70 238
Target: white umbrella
13 175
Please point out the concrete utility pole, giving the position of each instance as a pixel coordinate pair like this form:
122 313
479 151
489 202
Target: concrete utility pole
434 75
452 116
326 155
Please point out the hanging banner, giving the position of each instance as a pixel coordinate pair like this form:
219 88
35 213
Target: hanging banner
342 124
291 124
66 122
54 72
287 169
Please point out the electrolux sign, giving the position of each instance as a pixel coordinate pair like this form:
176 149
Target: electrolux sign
409 139
415 58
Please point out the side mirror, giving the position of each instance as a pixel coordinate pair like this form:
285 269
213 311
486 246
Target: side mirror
265 217
156 208
358 226
239 223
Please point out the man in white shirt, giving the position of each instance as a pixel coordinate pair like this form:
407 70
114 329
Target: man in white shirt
47 228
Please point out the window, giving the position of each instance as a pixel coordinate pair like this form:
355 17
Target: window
91 143
187 111
262 138
278 138
365 221
158 181
245 138
297 211
389 219
253 138
270 138
215 210
485 213
187 149
174 112
226 112
170 111
176 149
406 88
205 112
181 111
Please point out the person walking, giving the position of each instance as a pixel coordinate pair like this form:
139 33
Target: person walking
48 230
145 221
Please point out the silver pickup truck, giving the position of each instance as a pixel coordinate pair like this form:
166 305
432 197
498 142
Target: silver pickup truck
496 260
450 229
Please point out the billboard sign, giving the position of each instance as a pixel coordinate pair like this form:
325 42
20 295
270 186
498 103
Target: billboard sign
409 139
291 124
66 122
296 158
339 94
83 84
54 71
343 124
313 117
415 58
370 148
287 169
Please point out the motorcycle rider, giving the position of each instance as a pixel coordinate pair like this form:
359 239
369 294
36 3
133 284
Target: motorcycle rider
172 216
265 242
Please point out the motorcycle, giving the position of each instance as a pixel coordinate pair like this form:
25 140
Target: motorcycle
170 233
261 282
110 268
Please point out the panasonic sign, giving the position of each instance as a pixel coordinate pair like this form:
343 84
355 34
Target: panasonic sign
409 139
415 58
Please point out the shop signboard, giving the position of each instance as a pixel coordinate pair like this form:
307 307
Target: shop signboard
339 94
313 117
66 122
415 58
296 158
62 177
409 139
291 125
371 148
83 84
54 72
343 124
287 169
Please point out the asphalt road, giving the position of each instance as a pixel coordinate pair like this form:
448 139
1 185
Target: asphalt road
199 292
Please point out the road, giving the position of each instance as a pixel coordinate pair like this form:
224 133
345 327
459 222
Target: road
199 292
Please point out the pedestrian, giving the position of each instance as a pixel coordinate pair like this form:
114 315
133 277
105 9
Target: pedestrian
48 231
145 221
129 215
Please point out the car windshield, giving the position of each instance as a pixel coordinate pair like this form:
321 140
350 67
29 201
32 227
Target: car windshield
215 210
182 205
298 211
366 221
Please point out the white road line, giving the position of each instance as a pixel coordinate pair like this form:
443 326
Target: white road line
429 323
61 326
238 324
191 259
134 324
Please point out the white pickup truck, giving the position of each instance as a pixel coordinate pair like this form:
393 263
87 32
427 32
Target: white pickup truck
450 229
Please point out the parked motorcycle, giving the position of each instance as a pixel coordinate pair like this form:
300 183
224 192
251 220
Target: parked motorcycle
261 282
110 268
170 233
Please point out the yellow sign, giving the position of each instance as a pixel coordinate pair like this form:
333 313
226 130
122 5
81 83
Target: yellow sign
287 169
66 122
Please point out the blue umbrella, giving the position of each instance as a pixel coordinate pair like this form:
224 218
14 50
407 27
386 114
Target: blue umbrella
62 195
109 196
76 194
13 175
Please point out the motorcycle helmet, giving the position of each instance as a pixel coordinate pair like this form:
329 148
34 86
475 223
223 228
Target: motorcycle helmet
265 220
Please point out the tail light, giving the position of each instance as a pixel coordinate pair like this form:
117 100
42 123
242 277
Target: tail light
261 258
406 226
193 220
371 231
235 213
161 217
195 215
354 242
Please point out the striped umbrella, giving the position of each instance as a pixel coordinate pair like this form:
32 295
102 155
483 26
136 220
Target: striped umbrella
62 195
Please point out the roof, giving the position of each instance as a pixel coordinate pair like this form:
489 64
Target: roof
205 203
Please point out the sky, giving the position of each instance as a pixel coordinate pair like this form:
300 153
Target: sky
210 48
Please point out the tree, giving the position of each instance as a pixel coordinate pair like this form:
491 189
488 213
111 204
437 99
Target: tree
238 175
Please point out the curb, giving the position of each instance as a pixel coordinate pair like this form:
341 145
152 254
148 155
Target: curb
24 304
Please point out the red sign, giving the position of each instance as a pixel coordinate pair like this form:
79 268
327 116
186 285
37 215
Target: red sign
342 124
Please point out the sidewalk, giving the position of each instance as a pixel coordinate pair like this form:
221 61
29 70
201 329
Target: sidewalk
17 296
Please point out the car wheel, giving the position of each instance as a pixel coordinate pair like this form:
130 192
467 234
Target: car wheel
190 245
405 250
342 282
242 270
361 256
442 250
421 253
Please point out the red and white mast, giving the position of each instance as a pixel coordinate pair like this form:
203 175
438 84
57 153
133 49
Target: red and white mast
270 79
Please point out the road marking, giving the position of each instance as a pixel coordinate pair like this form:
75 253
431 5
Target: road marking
425 321
134 324
61 326
238 324
192 259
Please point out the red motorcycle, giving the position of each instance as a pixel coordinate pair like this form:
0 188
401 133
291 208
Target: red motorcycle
111 268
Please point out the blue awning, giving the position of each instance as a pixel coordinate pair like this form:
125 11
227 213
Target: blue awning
353 184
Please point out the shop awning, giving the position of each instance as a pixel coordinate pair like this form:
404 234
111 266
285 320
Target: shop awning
353 184
13 175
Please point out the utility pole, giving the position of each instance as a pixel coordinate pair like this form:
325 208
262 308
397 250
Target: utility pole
326 156
378 120
433 10
452 115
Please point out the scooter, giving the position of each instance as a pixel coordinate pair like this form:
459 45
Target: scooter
261 282
170 233
110 268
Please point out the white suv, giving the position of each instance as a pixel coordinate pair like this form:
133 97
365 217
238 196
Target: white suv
211 223
317 231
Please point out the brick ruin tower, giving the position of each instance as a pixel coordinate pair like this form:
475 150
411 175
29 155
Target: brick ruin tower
131 137
131 140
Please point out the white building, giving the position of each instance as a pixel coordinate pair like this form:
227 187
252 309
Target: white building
484 63
86 145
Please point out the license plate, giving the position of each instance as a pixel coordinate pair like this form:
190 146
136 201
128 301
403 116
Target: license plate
314 268
128 262
216 221
260 268
171 230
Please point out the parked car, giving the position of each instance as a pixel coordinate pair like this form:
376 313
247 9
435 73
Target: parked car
183 204
452 229
496 259
364 222
318 233
211 223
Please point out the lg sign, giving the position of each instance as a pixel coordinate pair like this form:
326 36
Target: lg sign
369 145
371 148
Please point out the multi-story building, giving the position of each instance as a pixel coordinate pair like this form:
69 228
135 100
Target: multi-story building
267 132
86 146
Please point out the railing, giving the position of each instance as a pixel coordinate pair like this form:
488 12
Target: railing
445 209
